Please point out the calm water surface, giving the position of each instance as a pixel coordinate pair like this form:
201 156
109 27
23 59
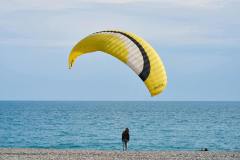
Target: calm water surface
98 125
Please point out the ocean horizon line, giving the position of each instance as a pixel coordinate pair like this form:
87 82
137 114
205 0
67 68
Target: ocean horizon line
115 100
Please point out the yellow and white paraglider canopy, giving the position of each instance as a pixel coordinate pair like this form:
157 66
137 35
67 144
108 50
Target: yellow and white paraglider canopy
131 50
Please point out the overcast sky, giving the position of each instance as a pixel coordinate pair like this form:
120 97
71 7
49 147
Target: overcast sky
198 41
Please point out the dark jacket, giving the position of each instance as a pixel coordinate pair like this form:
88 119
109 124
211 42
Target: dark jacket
125 135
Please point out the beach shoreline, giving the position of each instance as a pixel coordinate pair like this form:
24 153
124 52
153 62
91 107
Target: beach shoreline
60 154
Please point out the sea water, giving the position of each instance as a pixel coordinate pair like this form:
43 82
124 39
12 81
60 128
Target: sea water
91 125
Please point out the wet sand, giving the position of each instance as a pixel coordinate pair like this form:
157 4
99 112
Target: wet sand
53 154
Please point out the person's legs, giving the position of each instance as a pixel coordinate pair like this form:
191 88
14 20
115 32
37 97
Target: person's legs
125 145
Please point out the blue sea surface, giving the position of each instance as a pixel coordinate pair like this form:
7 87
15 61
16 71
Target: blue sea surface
97 125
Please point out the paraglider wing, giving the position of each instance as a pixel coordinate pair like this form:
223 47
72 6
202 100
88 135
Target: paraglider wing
131 50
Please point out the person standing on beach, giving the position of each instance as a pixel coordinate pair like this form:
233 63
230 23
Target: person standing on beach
125 138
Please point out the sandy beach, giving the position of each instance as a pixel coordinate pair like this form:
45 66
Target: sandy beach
47 154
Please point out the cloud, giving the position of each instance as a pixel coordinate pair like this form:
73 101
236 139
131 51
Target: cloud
26 42
15 5
172 22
